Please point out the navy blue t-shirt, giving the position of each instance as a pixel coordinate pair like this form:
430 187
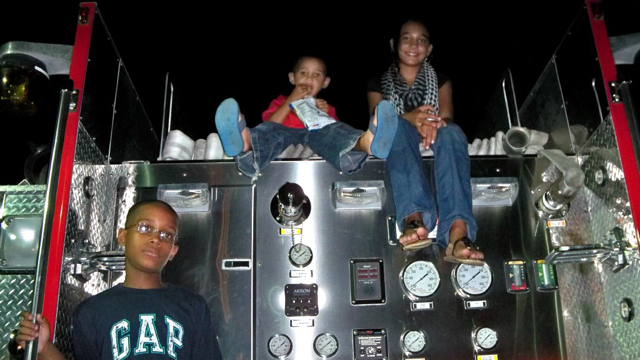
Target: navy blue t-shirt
126 323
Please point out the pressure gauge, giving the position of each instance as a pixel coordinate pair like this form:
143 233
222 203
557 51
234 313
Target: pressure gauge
300 255
420 279
414 341
325 345
485 338
472 280
280 346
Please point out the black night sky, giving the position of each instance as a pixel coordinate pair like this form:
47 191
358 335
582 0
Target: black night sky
245 51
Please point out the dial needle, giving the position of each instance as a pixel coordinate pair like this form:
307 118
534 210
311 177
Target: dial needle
473 277
425 275
414 341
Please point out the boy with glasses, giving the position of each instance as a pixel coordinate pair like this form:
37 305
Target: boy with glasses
143 317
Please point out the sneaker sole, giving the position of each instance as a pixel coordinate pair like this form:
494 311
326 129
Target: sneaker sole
227 125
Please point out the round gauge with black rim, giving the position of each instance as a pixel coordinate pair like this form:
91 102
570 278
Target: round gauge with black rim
414 341
325 345
485 338
280 346
470 280
420 279
300 255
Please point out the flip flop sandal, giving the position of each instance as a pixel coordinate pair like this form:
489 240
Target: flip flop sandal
385 131
229 127
456 260
412 226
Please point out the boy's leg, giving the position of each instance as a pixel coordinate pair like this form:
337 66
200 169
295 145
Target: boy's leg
270 139
252 149
412 194
347 148
378 139
334 143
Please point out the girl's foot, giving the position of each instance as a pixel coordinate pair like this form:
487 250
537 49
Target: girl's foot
415 234
460 248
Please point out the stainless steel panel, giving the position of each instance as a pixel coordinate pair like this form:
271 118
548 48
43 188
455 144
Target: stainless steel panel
207 240
527 323
248 305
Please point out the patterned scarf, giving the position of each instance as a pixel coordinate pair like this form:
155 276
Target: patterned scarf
424 90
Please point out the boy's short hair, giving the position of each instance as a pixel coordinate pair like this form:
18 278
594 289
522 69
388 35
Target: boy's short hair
296 65
135 209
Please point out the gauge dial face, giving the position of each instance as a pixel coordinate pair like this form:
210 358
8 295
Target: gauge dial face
300 255
325 345
421 278
472 280
485 338
414 341
280 346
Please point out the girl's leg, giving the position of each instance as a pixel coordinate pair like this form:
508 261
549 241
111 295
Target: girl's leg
411 191
453 182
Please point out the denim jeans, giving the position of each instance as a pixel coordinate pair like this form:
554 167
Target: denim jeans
411 190
334 143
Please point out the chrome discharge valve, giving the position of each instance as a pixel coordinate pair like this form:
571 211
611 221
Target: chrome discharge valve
290 206
554 202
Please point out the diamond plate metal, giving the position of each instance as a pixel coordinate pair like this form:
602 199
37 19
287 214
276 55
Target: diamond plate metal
617 286
87 152
16 290
16 295
591 293
607 200
95 213
22 199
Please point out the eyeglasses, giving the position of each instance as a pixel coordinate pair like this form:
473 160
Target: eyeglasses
146 229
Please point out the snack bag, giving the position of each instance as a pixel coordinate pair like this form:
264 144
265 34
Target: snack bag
312 117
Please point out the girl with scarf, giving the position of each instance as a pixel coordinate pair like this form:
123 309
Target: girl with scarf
422 99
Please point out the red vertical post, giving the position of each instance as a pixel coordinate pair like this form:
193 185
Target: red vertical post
77 73
618 114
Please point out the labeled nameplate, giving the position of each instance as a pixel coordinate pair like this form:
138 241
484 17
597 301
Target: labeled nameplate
302 323
300 273
419 306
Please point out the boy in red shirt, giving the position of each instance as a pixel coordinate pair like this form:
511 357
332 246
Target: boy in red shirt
338 143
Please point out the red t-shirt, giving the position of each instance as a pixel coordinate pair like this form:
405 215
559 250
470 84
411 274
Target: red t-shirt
292 120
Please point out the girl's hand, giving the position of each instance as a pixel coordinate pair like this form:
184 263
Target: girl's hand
429 132
427 123
322 105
